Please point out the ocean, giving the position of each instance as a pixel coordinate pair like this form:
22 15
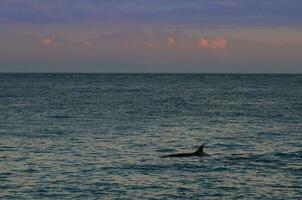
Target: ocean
101 136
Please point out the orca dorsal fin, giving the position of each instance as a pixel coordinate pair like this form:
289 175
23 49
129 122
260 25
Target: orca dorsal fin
200 149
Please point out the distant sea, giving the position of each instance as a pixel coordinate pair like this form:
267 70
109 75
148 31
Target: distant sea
101 136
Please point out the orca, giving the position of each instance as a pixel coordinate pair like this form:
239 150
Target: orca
199 152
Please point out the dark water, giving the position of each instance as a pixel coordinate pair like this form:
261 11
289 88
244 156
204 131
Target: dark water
100 136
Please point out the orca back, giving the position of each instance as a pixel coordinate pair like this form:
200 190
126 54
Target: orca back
199 152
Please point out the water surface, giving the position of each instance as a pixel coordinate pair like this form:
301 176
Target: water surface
100 136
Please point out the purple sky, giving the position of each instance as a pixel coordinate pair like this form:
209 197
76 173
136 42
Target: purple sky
151 36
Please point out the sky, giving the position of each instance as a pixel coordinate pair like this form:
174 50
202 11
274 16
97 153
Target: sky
219 36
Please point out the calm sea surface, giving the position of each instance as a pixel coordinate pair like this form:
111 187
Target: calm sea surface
100 136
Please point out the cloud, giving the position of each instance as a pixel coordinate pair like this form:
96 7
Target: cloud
209 13
216 43
171 40
230 3
47 41
204 43
147 51
150 45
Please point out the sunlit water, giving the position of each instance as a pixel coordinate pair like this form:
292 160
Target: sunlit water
100 136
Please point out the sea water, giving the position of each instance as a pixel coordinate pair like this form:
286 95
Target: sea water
101 136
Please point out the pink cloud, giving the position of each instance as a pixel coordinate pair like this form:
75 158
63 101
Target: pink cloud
47 41
204 43
150 45
217 43
171 41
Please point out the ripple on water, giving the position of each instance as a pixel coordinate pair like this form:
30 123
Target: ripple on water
95 136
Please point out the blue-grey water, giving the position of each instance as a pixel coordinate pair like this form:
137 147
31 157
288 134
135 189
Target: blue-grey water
101 136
